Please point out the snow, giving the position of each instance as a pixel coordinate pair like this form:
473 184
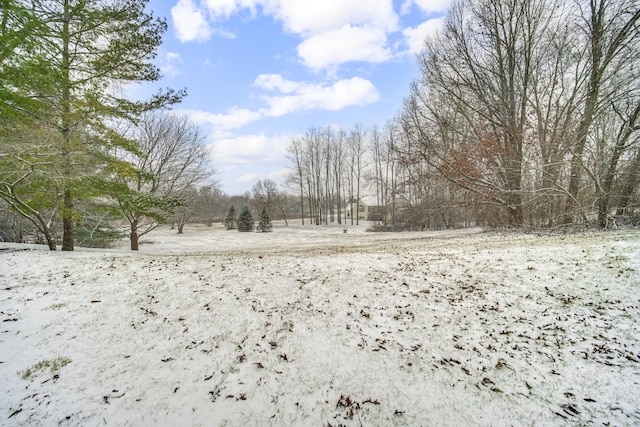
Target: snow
314 326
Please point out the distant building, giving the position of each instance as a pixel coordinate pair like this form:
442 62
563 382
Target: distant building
365 209
361 209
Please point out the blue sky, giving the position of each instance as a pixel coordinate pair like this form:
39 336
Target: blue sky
260 72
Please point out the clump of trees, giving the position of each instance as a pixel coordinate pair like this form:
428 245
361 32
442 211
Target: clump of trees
525 113
266 195
328 166
77 154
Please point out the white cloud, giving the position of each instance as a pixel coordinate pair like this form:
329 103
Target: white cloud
433 6
224 33
280 175
226 168
169 64
223 123
415 37
173 57
250 177
313 17
249 149
245 159
342 45
333 31
226 8
405 8
189 22
276 82
338 31
296 96
301 96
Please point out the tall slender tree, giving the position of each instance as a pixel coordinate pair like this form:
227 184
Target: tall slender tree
296 178
357 146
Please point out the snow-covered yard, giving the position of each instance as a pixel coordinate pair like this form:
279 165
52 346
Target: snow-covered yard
314 326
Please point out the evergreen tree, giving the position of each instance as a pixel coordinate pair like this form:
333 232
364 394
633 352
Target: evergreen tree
230 219
265 221
245 220
73 61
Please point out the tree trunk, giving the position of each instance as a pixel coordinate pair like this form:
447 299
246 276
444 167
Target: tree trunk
629 185
514 197
134 235
51 241
52 245
67 222
32 215
67 217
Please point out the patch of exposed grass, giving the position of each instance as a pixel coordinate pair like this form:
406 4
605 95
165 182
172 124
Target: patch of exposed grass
57 306
53 365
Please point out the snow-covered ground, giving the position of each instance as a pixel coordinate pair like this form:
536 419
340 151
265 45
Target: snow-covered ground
312 326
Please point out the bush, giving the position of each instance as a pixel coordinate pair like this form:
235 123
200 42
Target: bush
382 228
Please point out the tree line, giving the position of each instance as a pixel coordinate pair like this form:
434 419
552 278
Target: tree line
327 167
529 110
525 113
334 169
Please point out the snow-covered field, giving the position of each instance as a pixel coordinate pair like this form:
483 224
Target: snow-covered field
311 326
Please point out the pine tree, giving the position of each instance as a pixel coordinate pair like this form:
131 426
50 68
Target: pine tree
265 221
73 60
245 220
230 219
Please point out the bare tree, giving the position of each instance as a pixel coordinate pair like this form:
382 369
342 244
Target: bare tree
507 99
338 164
327 162
616 138
295 156
172 160
357 147
265 194
21 202
183 214
611 30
